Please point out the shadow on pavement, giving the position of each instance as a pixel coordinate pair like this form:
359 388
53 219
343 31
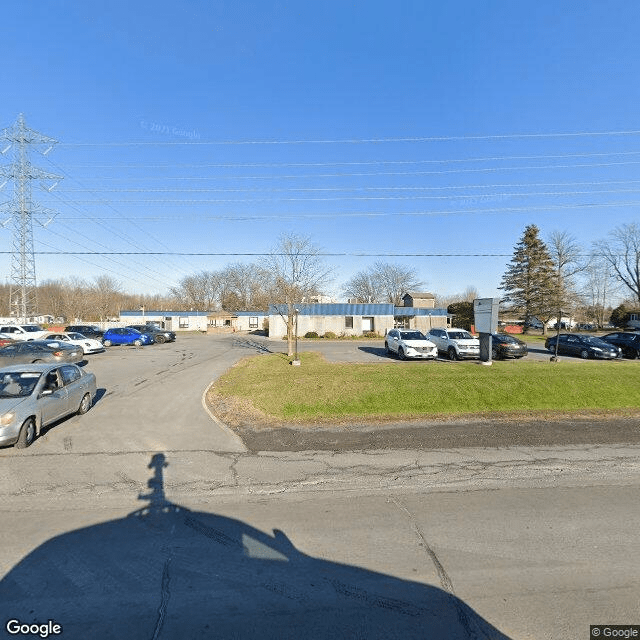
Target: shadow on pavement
167 572
377 351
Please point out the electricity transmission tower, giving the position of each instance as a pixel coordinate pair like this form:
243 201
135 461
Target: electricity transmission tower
22 211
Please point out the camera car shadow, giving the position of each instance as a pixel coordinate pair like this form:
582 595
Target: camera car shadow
165 571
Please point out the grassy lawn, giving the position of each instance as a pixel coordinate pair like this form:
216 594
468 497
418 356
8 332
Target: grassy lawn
319 391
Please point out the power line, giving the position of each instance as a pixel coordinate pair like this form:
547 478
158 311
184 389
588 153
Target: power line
379 173
231 165
509 136
240 217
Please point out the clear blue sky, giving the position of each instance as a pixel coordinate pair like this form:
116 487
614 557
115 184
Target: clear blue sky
372 127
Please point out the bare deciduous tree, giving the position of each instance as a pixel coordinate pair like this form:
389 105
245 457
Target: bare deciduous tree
200 291
622 253
296 271
105 294
383 282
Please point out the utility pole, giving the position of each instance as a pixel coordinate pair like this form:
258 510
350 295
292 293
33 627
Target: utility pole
22 211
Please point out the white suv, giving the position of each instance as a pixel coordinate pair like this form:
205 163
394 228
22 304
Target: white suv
409 343
456 343
24 331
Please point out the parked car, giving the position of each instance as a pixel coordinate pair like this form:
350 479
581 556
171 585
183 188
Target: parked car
39 351
584 346
125 335
33 396
628 341
456 343
159 335
87 330
504 345
409 343
24 331
5 339
88 345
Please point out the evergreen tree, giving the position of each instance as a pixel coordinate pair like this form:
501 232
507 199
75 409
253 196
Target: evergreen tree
530 282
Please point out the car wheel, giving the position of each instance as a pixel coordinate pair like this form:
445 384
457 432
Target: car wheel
85 404
494 354
107 343
401 354
160 339
386 349
27 434
138 343
452 354
584 354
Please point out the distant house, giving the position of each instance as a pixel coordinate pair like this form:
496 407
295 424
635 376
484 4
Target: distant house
634 320
419 300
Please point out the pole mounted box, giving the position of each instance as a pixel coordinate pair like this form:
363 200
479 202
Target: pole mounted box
485 312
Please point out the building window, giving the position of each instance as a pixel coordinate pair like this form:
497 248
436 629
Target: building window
253 322
183 322
348 322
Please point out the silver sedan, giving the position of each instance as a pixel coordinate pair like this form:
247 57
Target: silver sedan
39 351
35 395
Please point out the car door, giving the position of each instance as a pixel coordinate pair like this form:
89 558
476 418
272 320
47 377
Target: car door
74 384
573 346
54 405
9 354
392 340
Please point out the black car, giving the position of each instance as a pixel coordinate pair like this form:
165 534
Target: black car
87 330
584 346
504 345
628 341
159 335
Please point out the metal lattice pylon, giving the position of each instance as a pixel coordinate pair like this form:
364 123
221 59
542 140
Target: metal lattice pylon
22 211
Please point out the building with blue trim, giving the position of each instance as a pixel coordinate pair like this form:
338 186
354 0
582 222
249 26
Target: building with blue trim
354 319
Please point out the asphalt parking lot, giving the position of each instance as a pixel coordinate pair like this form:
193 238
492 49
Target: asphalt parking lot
372 351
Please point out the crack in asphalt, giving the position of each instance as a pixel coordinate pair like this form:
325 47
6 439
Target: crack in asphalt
470 628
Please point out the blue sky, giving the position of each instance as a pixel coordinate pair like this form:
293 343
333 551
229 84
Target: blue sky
373 127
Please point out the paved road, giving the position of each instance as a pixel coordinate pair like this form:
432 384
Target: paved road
145 519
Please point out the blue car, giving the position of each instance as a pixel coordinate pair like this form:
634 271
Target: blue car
125 335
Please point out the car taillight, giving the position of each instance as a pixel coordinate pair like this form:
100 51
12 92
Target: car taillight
58 353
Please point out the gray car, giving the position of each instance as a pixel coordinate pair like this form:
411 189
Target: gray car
39 351
33 396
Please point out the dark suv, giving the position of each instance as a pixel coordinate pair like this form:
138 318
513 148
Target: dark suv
87 330
159 335
628 341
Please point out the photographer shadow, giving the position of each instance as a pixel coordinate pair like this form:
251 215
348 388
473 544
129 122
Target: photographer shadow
168 572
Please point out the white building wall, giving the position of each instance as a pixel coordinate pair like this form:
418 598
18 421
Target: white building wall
322 324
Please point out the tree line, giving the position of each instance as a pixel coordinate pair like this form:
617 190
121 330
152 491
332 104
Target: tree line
541 280
546 280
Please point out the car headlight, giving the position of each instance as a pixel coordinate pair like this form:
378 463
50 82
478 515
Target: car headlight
7 418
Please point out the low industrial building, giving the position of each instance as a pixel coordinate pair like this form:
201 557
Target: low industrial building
347 319
205 321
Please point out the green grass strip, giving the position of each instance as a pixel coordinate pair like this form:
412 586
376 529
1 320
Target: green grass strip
319 390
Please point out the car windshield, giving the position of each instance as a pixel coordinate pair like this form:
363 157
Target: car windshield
76 336
18 384
460 335
596 342
30 328
505 338
412 335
